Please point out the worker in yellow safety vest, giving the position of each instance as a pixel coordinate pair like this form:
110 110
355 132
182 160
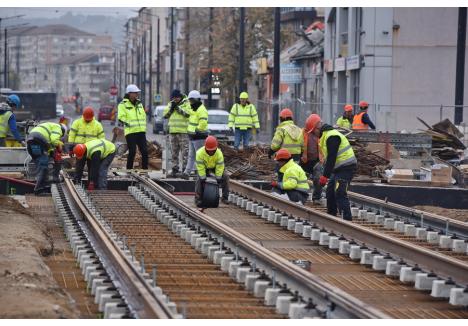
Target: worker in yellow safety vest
287 135
8 121
99 153
346 120
292 179
340 164
132 115
243 118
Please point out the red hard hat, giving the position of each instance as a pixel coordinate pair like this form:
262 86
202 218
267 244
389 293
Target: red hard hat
282 154
88 113
312 122
79 150
211 143
348 107
363 104
286 113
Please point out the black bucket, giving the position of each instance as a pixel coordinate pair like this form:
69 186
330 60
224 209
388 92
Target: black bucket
210 197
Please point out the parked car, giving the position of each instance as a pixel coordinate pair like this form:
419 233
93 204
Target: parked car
105 113
218 125
159 123
59 110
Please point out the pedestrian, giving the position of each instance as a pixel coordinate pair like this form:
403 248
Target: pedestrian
99 153
8 120
44 141
340 164
83 130
197 129
177 112
243 118
210 161
311 158
287 135
292 179
132 115
346 120
361 121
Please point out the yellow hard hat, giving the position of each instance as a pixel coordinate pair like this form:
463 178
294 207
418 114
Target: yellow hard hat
244 95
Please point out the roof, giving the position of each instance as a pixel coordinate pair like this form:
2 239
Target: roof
76 59
59 29
309 46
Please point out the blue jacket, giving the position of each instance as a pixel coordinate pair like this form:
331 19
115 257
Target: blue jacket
12 125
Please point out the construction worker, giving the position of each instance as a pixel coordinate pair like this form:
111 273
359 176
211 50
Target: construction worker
242 119
197 129
132 115
346 120
287 135
82 130
8 120
292 179
361 121
310 160
178 111
43 141
99 153
210 160
340 164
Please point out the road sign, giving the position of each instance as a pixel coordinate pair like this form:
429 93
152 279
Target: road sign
290 73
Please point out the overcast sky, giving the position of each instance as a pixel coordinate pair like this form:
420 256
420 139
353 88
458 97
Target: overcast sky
57 12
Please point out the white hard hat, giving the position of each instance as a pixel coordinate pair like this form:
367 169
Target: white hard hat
132 89
194 94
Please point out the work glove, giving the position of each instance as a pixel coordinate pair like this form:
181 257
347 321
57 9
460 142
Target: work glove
91 186
270 153
274 184
323 180
173 105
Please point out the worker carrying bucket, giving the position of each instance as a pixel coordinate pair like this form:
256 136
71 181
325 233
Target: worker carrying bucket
210 162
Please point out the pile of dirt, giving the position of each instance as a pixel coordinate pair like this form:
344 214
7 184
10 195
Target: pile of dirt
456 214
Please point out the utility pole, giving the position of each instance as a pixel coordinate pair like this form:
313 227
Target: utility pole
276 69
5 42
210 58
5 72
241 49
158 64
460 67
187 49
151 65
171 81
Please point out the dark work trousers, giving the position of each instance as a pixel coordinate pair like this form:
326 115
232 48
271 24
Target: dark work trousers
314 171
103 169
224 185
337 193
38 151
79 168
134 140
293 195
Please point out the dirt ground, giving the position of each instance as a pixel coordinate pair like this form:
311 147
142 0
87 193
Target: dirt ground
456 214
27 287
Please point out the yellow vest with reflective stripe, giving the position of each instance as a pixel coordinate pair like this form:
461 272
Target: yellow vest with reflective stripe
133 115
294 177
4 127
52 132
343 122
198 121
345 155
106 147
205 162
243 117
177 122
289 136
82 131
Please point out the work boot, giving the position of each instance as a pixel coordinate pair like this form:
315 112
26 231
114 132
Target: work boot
225 201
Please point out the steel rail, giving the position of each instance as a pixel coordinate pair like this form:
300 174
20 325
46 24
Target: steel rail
432 260
132 285
413 215
301 279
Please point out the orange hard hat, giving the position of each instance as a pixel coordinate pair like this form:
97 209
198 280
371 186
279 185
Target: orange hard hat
363 104
211 143
286 113
312 122
348 107
79 150
88 113
282 154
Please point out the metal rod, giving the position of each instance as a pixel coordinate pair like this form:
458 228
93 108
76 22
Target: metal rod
142 262
460 65
153 272
447 223
273 277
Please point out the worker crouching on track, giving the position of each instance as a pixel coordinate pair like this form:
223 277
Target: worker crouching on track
339 168
292 180
210 160
99 154
288 136
44 141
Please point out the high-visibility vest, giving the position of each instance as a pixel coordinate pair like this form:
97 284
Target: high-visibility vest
288 136
343 122
4 127
198 121
82 131
178 123
345 155
357 122
206 162
51 132
243 117
294 177
103 145
134 116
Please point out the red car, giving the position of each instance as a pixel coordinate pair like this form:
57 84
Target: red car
105 113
